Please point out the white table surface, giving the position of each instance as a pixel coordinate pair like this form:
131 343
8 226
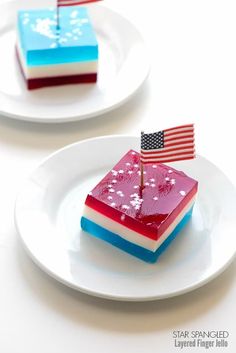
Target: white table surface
193 79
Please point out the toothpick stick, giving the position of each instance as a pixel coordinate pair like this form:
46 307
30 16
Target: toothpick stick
141 167
58 17
141 176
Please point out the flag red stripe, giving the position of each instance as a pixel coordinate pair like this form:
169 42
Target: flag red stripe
179 143
74 3
144 157
180 127
168 160
178 138
163 150
179 132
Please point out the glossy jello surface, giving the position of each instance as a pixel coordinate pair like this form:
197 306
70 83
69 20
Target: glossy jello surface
151 210
42 43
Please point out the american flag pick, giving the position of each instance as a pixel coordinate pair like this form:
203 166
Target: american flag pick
73 2
168 145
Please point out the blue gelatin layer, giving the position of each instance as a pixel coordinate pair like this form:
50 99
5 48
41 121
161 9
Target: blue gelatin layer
42 43
129 247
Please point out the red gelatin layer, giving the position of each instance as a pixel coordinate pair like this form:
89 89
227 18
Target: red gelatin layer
60 80
149 211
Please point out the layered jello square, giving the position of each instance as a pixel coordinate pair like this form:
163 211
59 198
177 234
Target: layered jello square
142 222
52 52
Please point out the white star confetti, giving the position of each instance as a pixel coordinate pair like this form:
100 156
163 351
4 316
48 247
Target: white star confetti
155 198
120 193
130 172
152 180
74 14
114 181
125 207
154 166
63 40
76 31
74 21
167 178
111 190
172 181
109 197
136 202
170 171
128 164
183 193
113 204
121 171
134 195
44 27
136 186
153 185
147 184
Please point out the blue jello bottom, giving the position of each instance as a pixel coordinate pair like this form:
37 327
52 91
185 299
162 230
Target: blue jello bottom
133 249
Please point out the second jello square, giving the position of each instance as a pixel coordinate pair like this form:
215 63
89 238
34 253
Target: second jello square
50 54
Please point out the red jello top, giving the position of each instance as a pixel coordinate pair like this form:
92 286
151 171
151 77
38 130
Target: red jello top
149 211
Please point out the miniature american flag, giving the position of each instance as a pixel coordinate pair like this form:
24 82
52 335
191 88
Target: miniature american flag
73 2
168 145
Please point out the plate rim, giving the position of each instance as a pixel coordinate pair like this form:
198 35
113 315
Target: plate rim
67 118
101 294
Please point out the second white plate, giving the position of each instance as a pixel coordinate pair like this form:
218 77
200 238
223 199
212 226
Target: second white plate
49 208
123 67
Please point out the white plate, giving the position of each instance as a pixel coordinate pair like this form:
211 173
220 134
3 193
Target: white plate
49 208
123 67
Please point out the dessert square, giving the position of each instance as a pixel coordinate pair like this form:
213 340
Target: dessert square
49 55
142 222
